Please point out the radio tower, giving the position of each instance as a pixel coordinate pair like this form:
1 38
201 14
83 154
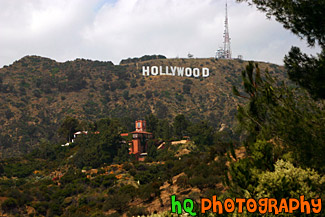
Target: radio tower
226 43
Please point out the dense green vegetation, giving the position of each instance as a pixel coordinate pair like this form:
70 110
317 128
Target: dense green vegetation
50 180
38 93
280 128
277 151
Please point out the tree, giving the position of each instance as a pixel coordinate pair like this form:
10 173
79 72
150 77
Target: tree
308 72
119 202
152 123
1 170
102 147
9 205
288 181
125 94
180 126
161 110
133 83
68 127
122 154
202 134
286 115
187 89
305 19
257 91
152 149
278 122
164 130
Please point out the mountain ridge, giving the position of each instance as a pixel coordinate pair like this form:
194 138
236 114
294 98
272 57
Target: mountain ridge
37 93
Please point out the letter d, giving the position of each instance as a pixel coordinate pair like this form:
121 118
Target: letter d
205 72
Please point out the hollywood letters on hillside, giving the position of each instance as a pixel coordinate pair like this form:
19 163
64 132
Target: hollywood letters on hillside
175 71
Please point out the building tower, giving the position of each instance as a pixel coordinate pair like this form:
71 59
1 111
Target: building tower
225 52
226 43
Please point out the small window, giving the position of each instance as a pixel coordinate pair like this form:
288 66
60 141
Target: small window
139 125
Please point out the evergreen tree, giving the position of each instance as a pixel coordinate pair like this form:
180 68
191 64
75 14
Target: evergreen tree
180 126
68 127
285 115
305 19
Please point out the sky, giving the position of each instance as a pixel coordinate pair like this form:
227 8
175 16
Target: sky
112 30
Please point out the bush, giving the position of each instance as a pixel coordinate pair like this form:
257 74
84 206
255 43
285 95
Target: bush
182 181
198 181
9 114
186 89
9 205
133 83
149 191
41 208
288 181
118 202
137 211
126 94
37 93
128 190
148 94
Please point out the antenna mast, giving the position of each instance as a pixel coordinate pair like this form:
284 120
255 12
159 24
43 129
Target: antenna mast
225 52
226 43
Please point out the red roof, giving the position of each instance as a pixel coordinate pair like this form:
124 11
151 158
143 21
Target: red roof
140 132
124 134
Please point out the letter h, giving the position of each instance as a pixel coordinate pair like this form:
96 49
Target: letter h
145 70
175 203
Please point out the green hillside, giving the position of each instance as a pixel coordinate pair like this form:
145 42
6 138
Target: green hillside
37 93
280 153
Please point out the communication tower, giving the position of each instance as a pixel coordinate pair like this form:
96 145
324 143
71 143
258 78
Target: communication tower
225 52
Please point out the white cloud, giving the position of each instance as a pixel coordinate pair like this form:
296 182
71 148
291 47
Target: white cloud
116 29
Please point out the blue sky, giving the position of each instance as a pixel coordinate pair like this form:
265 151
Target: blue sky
111 30
101 3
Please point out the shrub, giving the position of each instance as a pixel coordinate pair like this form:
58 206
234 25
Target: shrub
9 205
133 83
182 181
288 181
37 93
137 211
186 89
148 94
126 94
118 202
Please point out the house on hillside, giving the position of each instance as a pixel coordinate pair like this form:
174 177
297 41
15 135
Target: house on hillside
79 133
138 145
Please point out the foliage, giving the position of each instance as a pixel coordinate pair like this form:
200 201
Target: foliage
152 149
102 147
288 181
149 191
68 127
180 126
186 89
305 19
119 202
137 211
308 72
201 133
9 204
143 58
284 114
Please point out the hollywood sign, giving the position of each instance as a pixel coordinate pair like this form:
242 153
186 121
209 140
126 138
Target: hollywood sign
175 71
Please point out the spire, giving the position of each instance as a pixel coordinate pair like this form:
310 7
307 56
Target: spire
226 43
225 52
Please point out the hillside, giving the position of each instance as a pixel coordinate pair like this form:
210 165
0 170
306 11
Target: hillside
37 93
